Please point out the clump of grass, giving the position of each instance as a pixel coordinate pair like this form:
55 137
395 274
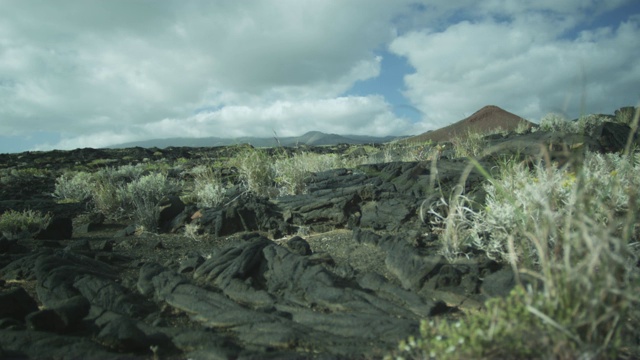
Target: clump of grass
572 230
472 144
74 187
16 224
208 188
109 193
520 202
192 231
553 122
282 173
255 170
626 115
118 193
144 196
585 125
293 172
523 128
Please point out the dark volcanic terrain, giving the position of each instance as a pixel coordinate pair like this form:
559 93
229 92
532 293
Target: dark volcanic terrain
345 270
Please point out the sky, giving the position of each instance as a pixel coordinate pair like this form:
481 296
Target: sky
93 73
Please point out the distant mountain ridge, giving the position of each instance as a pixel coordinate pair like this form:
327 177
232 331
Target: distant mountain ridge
312 138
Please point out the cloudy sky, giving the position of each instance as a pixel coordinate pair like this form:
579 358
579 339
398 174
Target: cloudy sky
90 73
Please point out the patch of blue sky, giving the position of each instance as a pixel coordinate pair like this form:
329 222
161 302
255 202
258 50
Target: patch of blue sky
611 19
390 84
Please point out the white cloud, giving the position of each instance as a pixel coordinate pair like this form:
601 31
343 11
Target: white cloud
101 72
95 67
526 65
369 115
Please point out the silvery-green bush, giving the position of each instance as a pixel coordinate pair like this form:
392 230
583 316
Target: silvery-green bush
282 173
19 224
109 193
626 115
255 170
144 196
557 123
585 125
589 123
521 203
292 172
574 230
74 186
208 188
470 145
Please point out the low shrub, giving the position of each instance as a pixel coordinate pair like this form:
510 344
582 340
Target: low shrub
626 115
406 151
255 170
144 196
557 123
208 189
282 173
108 192
74 187
585 125
15 224
573 230
472 144
523 128
521 203
292 172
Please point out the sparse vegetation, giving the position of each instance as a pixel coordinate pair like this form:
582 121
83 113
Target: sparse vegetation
572 229
557 123
469 145
626 115
282 173
584 125
292 172
519 202
16 224
254 169
109 190
144 196
208 189
73 187
523 128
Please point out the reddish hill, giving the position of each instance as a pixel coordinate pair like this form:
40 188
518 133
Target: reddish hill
485 120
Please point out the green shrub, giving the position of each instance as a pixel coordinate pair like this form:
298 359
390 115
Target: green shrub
587 306
587 124
584 125
523 128
255 170
75 187
292 172
626 115
574 231
403 151
109 190
557 123
144 196
208 189
521 203
15 224
471 144
282 173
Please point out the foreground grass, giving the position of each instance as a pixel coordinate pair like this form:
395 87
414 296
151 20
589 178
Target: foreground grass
572 232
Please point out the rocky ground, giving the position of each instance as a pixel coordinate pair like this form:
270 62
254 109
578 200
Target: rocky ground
344 271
